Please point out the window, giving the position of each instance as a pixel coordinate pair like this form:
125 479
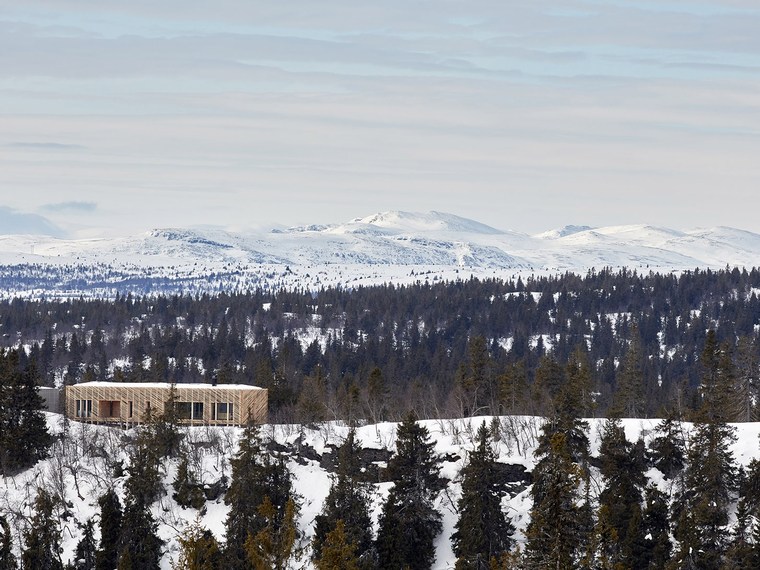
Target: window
130 409
184 410
84 408
189 410
109 408
223 411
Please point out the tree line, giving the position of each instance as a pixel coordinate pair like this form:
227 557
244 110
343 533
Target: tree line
449 349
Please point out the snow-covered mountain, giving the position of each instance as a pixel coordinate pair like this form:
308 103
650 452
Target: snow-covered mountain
388 246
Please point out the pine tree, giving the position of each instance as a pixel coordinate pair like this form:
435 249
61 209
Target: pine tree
622 465
377 395
276 545
709 480
24 438
139 545
747 378
718 382
553 533
668 449
349 502
199 550
576 396
84 556
629 395
256 478
311 404
740 553
110 531
338 552
7 559
513 389
569 408
475 382
243 496
658 546
143 483
483 532
164 428
409 521
43 538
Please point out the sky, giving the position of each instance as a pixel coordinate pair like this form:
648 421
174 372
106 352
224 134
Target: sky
121 116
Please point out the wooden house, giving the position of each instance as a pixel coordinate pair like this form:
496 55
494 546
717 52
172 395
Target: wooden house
195 404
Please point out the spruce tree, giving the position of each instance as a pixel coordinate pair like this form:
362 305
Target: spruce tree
483 531
144 483
409 521
139 545
553 532
622 466
24 438
43 538
377 396
84 556
668 449
658 546
199 550
703 501
7 558
513 389
256 477
243 496
740 553
110 531
277 544
629 393
349 502
338 552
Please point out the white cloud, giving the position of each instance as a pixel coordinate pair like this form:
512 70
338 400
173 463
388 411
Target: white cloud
522 115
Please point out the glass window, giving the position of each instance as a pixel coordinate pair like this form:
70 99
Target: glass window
197 410
84 408
184 410
223 411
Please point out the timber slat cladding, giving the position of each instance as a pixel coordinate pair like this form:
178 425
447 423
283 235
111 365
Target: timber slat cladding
197 404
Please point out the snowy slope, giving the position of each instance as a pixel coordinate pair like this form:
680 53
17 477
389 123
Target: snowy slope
82 477
389 246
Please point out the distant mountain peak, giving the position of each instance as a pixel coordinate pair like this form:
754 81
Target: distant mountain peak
424 222
564 231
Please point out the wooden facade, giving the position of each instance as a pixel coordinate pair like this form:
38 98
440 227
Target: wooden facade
196 404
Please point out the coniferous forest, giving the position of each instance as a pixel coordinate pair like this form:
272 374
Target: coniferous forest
557 474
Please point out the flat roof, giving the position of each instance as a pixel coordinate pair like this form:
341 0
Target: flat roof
167 385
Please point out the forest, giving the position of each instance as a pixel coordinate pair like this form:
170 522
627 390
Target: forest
543 360
444 350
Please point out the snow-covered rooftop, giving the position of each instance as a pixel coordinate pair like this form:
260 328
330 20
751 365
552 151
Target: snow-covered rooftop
167 385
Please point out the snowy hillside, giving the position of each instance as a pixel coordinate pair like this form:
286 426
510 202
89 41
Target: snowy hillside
81 470
400 247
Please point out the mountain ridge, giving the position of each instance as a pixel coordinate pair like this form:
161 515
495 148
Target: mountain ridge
391 246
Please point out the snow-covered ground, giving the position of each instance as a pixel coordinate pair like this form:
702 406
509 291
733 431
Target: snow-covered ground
81 477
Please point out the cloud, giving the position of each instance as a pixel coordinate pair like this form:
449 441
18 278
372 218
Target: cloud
79 206
14 222
46 145
256 111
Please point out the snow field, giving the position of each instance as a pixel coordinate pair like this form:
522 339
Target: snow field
80 470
